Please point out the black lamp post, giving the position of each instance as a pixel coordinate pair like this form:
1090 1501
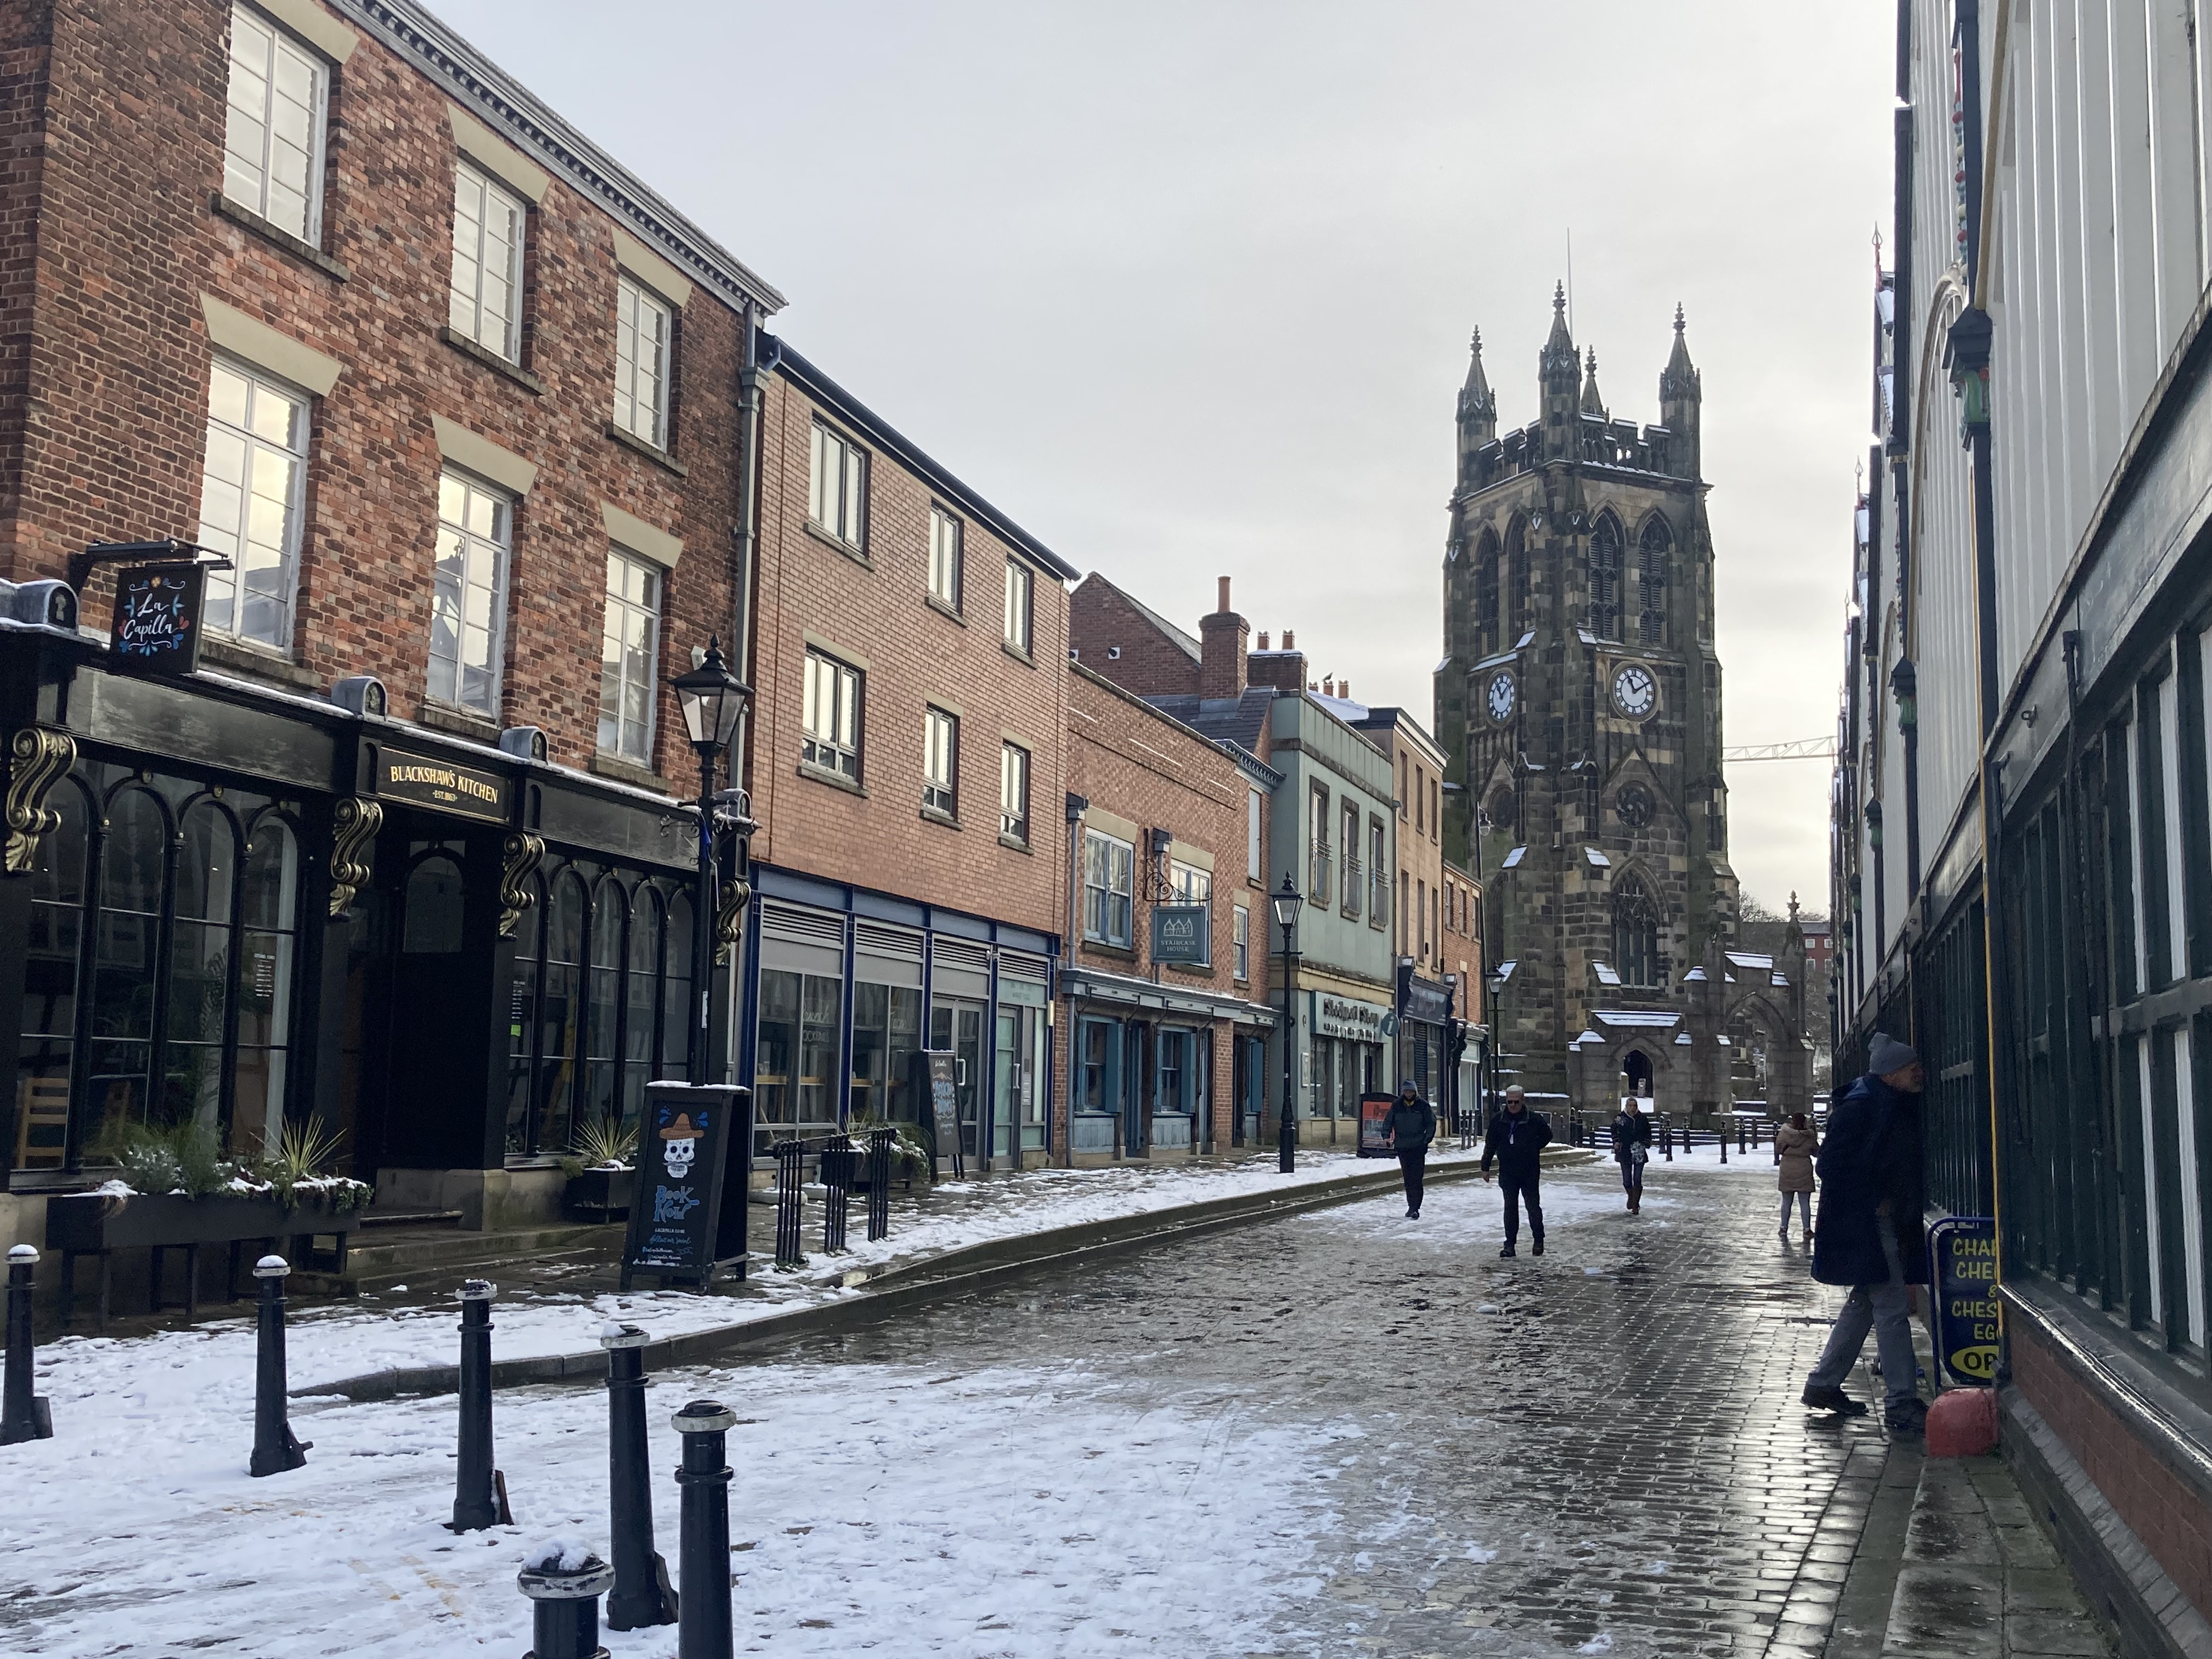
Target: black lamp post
1288 902
712 701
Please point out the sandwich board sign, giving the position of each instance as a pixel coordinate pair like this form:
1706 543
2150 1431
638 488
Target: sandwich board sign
683 1156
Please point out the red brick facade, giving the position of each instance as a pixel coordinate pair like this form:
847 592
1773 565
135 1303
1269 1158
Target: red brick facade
1115 637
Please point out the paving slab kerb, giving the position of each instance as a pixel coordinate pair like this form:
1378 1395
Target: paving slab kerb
885 1292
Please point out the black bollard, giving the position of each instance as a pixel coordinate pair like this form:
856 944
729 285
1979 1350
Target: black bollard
1741 1129
478 1499
1667 1137
641 1595
564 1582
276 1448
23 1415
702 1630
1720 1135
879 1185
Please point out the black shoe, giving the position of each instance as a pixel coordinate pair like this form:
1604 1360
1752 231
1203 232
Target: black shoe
1508 1250
1907 1417
1539 1247
1417 1215
1833 1399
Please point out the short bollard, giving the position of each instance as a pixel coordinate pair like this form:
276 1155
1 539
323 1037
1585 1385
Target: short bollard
479 1500
641 1595
879 1185
702 1627
1741 1129
23 1415
1720 1135
276 1448
1667 1135
564 1582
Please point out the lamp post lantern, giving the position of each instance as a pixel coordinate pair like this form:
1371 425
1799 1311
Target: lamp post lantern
712 701
1287 902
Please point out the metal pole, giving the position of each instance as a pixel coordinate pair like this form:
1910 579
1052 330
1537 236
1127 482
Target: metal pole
879 1185
787 1172
475 1500
564 1601
836 1178
1286 1138
703 922
702 1630
275 1448
23 1415
641 1595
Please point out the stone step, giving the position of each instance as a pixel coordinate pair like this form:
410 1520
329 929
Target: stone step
382 1259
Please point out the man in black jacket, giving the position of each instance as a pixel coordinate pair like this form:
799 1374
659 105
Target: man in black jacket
1516 1136
1413 1126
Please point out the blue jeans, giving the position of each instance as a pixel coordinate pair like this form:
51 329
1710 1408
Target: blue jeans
1886 1309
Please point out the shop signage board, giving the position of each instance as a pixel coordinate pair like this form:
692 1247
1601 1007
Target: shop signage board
1962 1263
155 628
443 786
1180 935
1375 1127
682 1155
1427 1000
1346 1016
935 1073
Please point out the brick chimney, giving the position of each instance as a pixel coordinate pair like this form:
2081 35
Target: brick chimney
1285 670
1221 661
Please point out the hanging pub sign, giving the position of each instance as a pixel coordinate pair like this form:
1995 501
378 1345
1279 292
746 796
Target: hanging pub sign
675 1213
1962 1252
1179 934
156 625
443 786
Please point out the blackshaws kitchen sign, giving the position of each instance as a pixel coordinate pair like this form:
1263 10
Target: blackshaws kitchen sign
444 786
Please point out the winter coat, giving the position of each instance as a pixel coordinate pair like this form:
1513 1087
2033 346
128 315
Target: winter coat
1872 1155
1514 1142
1629 1131
1411 1124
1795 1147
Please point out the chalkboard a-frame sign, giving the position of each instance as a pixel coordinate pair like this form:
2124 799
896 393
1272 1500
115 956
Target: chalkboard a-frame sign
156 624
675 1216
936 1083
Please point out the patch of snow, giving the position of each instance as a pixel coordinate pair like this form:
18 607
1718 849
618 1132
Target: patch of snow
557 1555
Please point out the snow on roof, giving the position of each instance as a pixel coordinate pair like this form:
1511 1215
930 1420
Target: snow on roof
1779 980
1597 860
1587 1036
1512 858
1683 1041
1752 959
1657 1018
1605 974
1697 973
1506 968
1523 643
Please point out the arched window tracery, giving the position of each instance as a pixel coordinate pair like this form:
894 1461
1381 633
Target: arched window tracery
1605 577
1654 558
1635 933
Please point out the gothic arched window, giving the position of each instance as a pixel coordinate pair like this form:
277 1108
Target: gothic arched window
1519 614
1605 578
1635 933
1486 594
1654 554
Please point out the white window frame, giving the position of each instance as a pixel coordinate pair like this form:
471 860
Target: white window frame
232 539
1014 769
1021 606
940 760
249 176
645 357
830 726
1193 885
1240 939
1109 867
476 550
622 609
946 534
1253 807
837 487
481 200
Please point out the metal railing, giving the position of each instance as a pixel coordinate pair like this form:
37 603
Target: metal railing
839 1165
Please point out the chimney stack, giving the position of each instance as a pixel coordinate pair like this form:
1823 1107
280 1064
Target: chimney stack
1290 641
1285 670
1263 639
1222 673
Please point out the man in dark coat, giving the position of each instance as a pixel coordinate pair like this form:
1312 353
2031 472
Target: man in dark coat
1869 1235
1413 1126
1516 1136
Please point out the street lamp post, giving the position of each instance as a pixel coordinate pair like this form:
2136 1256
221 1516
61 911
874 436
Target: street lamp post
1287 902
712 701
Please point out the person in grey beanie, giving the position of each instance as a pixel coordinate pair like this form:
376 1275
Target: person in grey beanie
1870 1236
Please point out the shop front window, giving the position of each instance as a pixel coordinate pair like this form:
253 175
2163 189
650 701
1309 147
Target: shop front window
642 994
682 1015
796 1085
603 1005
125 970
49 1020
559 1014
1101 1047
1174 1094
886 1036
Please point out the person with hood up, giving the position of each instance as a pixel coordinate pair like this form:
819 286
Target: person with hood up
1794 1144
1869 1234
1516 1137
1411 1125
1632 1150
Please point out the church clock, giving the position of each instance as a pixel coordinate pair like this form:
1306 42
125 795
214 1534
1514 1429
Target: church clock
1635 691
1500 697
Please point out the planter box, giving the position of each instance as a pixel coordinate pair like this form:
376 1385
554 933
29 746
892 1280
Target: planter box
87 1223
599 1195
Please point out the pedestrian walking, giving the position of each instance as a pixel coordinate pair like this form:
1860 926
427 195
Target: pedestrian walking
1516 1137
1412 1126
1869 1233
1794 1145
1632 1150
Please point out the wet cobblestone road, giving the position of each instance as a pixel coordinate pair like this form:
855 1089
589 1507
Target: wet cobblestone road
1600 1452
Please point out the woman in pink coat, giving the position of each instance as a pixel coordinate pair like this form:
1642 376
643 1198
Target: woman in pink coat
1795 1143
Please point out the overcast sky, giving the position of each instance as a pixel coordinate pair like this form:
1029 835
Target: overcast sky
1186 289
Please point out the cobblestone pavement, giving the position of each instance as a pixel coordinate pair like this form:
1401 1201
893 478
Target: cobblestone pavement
1598 1451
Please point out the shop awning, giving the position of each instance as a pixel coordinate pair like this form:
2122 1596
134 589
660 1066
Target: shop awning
1090 985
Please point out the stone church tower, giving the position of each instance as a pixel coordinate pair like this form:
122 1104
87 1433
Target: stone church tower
1580 699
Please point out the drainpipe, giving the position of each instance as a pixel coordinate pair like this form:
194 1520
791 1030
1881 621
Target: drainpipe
1077 806
752 376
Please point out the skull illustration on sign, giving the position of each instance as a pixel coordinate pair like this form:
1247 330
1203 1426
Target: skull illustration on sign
681 1144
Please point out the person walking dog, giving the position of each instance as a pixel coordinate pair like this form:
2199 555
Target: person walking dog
1869 1234
1516 1137
1632 1150
1794 1144
1413 1126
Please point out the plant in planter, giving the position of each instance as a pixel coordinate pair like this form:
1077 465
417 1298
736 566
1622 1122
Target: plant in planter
298 1171
602 1170
909 1151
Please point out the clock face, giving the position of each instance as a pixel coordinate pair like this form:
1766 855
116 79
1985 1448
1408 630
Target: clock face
1635 691
1500 697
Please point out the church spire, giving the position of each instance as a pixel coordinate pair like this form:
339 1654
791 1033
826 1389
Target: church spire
1592 403
1679 379
1681 390
1477 405
1560 378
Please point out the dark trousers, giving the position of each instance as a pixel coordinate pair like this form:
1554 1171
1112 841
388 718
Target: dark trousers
1519 1190
1411 1163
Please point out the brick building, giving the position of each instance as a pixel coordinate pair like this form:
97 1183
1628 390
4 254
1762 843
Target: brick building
1165 1034
462 405
908 768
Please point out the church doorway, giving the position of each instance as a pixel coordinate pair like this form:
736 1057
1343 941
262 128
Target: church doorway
1635 1067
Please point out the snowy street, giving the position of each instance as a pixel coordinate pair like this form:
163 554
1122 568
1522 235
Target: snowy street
1338 1432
